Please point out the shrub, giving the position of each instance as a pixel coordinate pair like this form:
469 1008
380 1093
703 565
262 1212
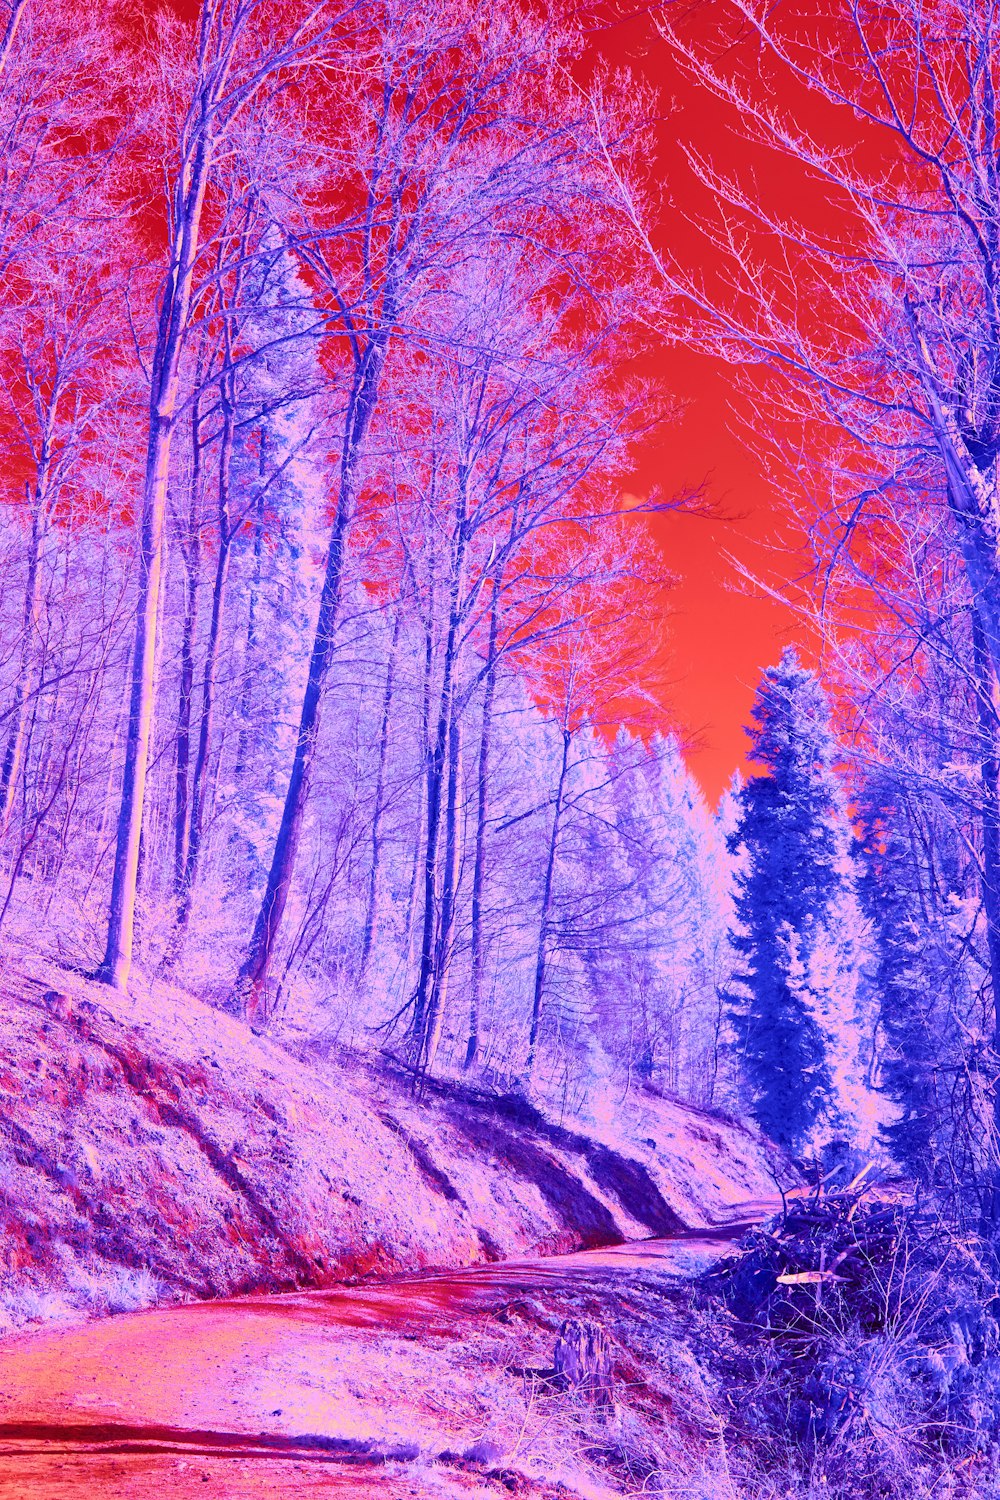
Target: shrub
858 1352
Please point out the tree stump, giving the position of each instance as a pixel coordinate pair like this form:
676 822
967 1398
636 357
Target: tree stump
583 1361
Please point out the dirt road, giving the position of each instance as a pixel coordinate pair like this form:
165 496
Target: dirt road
423 1385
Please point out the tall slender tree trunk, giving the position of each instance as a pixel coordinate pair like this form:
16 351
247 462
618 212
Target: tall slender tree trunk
252 978
477 946
541 959
425 729
443 946
989 727
199 776
116 964
426 1005
432 797
243 742
371 900
192 563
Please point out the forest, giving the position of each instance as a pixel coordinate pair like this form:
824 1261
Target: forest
334 676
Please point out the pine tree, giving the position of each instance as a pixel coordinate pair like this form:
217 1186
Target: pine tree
892 887
794 999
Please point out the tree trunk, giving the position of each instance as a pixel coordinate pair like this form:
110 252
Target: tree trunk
252 978
371 901
547 888
199 776
243 743
449 891
477 947
425 722
192 563
434 781
989 726
427 1000
117 961
582 1361
10 30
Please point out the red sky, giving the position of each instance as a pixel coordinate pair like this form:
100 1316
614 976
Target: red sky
719 635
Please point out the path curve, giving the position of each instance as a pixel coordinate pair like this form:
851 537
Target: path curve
287 1395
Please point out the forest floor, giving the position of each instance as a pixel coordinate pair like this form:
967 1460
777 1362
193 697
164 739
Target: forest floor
438 1384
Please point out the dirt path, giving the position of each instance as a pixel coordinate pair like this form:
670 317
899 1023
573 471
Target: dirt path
355 1390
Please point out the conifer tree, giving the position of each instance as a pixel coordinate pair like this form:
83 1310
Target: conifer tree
892 887
795 992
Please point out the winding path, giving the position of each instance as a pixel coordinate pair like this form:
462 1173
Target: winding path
354 1390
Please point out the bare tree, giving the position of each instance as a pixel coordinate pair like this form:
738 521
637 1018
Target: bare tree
236 64
61 374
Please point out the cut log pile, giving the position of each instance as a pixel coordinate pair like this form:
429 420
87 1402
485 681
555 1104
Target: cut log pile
856 1313
833 1245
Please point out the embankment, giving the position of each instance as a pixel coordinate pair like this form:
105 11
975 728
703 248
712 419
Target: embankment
153 1149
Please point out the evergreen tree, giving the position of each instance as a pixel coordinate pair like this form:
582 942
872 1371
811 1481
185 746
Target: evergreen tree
795 997
892 889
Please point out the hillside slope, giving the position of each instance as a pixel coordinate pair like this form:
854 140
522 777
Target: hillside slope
154 1149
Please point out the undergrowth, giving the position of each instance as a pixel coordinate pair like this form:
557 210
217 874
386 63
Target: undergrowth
853 1349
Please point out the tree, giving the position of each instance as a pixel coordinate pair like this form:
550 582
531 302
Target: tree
519 435
236 63
269 476
897 348
429 283
60 375
920 979
58 79
796 993
920 787
661 960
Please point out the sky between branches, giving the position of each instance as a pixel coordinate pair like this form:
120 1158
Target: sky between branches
719 636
